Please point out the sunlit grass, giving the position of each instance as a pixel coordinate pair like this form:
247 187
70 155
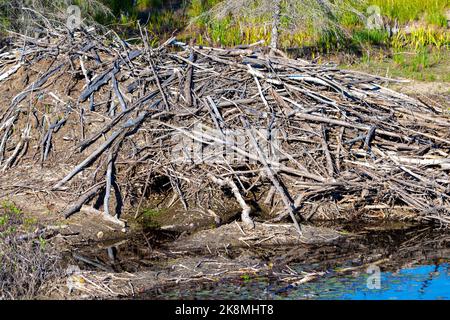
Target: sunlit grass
433 11
430 14
424 64
421 37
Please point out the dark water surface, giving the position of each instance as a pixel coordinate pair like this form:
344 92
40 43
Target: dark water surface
413 263
427 282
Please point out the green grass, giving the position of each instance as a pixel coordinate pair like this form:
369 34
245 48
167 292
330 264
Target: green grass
29 223
231 31
371 37
425 64
409 10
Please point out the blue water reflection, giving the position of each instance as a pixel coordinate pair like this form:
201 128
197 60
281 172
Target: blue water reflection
427 282
418 283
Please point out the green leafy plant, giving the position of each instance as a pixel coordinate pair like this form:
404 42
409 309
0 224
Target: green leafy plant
246 278
150 216
3 220
10 207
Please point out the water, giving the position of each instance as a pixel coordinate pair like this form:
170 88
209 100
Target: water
413 264
427 282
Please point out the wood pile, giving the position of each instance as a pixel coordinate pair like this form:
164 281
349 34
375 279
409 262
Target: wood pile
118 120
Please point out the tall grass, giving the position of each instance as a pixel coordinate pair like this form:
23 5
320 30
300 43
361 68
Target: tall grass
231 30
421 37
433 11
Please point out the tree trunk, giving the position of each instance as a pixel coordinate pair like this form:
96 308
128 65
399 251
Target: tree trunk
275 23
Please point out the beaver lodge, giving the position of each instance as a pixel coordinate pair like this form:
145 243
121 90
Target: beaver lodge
97 123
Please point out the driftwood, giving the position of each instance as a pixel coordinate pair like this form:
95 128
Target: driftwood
201 122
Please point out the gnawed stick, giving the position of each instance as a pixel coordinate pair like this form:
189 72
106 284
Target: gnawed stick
284 196
323 139
227 182
270 196
339 138
47 141
8 130
36 85
118 94
129 125
105 77
189 80
176 185
109 173
11 71
158 83
103 215
11 159
89 195
86 143
21 146
88 160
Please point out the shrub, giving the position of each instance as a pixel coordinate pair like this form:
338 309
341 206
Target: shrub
25 265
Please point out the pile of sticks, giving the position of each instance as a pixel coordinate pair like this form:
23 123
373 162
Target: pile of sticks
116 121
